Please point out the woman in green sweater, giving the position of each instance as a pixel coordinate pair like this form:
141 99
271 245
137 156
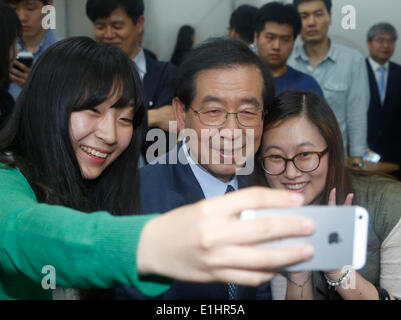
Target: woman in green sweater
71 147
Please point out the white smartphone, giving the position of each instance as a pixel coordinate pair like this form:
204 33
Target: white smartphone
340 237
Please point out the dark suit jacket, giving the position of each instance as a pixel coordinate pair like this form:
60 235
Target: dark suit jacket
158 87
384 122
165 187
158 82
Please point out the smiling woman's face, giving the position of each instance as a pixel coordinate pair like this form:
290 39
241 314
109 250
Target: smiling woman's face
287 139
100 135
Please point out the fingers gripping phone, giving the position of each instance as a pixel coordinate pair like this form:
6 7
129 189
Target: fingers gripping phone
25 58
340 237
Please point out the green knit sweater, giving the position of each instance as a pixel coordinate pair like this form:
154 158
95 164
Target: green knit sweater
95 250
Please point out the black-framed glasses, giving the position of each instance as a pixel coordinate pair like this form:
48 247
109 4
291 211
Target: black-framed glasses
305 162
215 116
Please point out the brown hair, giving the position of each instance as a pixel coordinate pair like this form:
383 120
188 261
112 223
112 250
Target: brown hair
294 103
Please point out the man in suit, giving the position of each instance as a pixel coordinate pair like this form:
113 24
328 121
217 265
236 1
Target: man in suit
121 23
384 116
222 93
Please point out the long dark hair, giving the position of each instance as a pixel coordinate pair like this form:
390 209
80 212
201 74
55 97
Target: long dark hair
10 30
294 103
185 40
183 45
72 75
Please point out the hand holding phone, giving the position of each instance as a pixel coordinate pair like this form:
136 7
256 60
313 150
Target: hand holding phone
21 68
339 240
26 58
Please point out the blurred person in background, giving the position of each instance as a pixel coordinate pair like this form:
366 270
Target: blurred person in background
276 28
120 23
184 44
34 39
10 29
340 72
384 115
241 25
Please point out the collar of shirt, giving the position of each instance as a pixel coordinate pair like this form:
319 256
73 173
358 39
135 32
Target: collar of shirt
48 39
211 186
140 63
375 66
299 52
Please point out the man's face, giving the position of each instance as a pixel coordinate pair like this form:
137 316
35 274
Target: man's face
275 43
30 14
234 89
120 31
315 21
382 47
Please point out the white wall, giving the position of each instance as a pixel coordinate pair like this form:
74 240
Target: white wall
163 18
60 18
72 14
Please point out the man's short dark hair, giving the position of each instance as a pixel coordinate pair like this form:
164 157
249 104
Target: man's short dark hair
219 53
279 13
99 9
242 22
327 3
380 28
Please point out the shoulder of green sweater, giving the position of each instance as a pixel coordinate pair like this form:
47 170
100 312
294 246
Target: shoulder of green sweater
7 171
381 196
11 179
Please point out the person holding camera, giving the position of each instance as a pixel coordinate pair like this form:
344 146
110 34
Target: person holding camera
34 39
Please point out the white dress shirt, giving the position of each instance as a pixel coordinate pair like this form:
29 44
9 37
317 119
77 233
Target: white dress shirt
140 63
210 185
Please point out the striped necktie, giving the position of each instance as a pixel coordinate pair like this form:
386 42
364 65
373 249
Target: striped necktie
231 287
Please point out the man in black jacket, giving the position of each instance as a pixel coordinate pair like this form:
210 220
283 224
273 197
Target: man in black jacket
384 116
121 23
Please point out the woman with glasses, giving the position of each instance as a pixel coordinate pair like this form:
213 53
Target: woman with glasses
302 152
